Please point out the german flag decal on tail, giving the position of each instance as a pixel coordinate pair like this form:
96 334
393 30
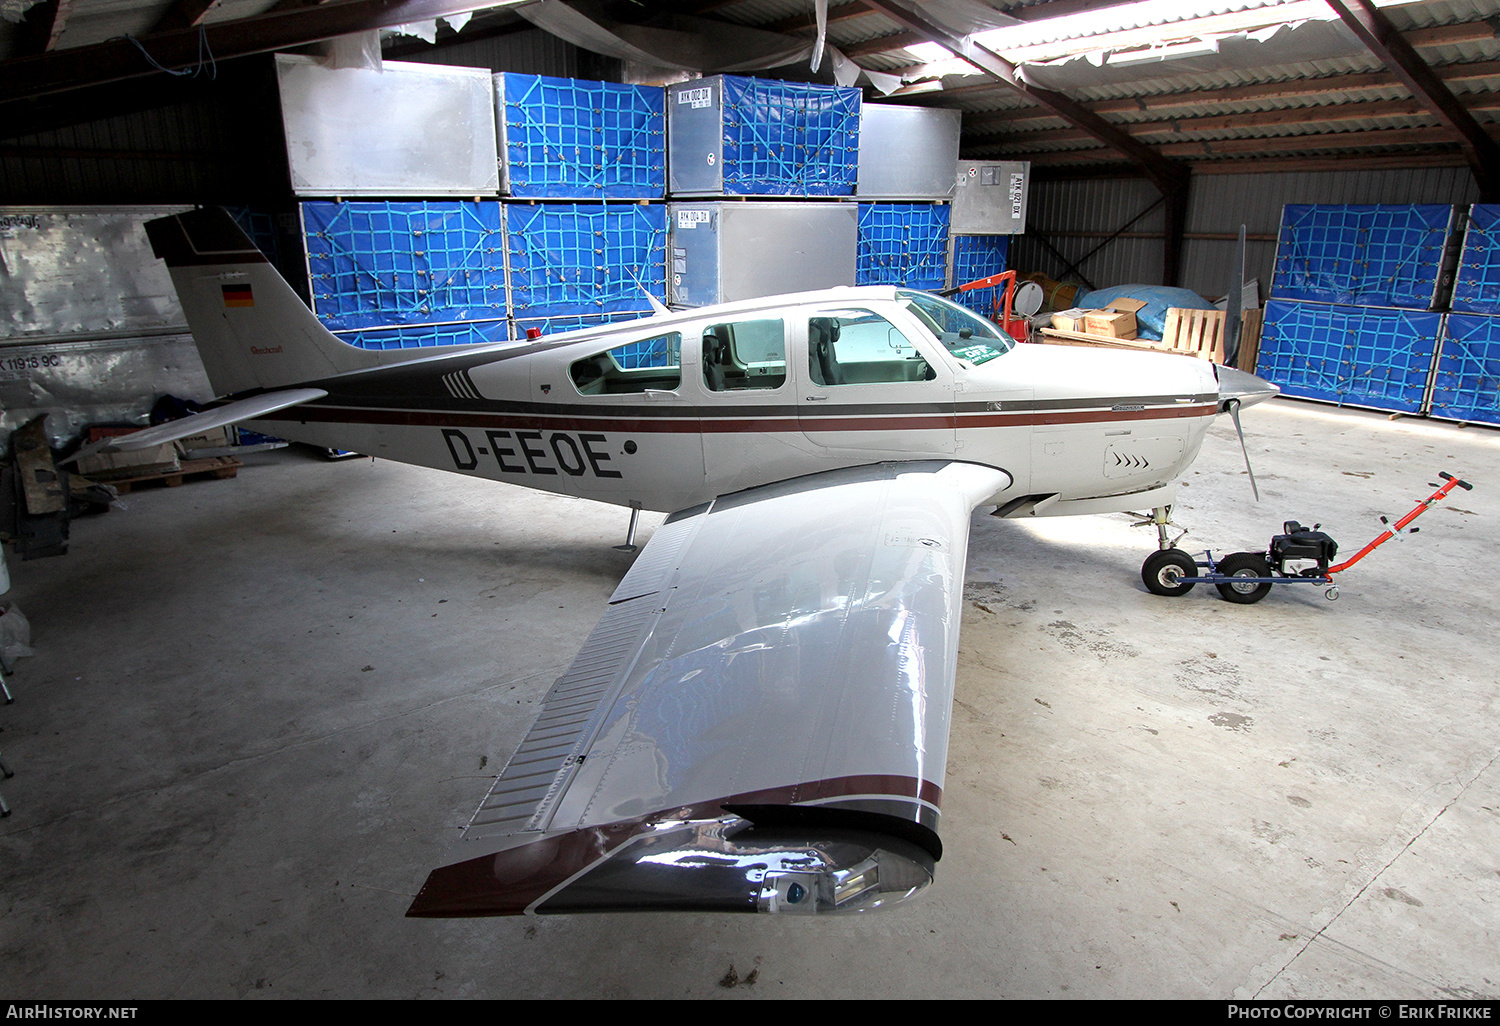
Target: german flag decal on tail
238 295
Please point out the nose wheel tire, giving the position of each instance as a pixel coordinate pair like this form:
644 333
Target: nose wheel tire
1244 564
1169 572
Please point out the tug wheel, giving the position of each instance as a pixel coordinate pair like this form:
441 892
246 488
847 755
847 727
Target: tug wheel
1169 572
1244 564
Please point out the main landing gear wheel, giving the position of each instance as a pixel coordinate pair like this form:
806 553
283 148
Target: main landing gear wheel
1244 564
1169 572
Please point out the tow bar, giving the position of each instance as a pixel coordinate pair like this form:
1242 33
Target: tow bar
1299 555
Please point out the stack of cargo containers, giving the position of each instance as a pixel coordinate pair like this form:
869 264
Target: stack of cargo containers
578 241
1352 316
1466 381
907 162
735 138
591 261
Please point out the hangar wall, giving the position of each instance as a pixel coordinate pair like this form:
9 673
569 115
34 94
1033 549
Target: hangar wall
1076 216
200 140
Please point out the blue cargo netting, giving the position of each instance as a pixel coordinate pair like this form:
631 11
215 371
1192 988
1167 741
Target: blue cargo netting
418 336
577 259
573 322
570 139
1476 287
1467 383
789 138
1362 255
382 264
1359 356
261 228
976 257
903 244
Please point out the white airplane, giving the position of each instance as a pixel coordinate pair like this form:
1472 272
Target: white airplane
760 720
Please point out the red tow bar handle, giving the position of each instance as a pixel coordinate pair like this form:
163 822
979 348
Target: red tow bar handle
1450 482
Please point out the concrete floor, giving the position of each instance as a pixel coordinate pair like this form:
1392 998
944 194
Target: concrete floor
261 708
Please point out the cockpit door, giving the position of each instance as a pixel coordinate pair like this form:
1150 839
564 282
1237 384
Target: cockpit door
864 385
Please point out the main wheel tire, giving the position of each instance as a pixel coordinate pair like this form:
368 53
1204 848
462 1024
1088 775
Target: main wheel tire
1169 572
1243 564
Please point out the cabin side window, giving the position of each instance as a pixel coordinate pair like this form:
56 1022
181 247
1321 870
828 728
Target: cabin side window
652 364
859 347
741 355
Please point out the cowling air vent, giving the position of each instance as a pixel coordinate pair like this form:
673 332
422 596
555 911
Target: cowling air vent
1141 457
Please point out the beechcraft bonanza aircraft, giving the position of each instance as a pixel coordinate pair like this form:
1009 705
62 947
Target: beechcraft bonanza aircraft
760 720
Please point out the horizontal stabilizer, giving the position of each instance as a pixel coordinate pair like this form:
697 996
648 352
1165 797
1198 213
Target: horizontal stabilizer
229 413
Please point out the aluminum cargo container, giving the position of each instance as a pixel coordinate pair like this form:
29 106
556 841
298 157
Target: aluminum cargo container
721 252
991 197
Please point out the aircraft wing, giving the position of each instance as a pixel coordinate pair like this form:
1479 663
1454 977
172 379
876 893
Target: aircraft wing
758 723
229 413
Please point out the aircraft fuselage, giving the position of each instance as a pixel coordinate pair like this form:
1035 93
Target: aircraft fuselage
731 398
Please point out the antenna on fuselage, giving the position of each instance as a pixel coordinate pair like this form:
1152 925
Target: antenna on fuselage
657 309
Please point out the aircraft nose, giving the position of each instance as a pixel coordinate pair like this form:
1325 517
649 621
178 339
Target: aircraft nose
1240 385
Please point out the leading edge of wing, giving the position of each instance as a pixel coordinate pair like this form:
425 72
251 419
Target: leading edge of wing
758 723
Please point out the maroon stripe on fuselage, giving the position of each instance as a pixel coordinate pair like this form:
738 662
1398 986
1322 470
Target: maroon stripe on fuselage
694 422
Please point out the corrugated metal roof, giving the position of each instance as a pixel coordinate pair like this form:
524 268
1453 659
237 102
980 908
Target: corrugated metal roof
1310 107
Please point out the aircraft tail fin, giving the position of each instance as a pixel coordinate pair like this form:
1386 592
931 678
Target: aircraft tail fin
251 329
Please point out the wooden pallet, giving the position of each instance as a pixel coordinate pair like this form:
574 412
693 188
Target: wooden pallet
214 466
1197 333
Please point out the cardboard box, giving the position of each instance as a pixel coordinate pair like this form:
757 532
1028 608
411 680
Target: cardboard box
159 459
1069 320
1115 321
214 438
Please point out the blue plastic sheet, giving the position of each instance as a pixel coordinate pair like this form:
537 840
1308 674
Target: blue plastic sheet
578 259
1467 383
1362 255
903 244
567 138
1476 287
1151 319
976 257
789 138
386 264
1360 356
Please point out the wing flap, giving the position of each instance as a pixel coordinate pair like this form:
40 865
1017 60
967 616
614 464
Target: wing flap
546 758
772 688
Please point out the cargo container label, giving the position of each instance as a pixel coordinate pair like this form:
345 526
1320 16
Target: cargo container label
689 218
702 97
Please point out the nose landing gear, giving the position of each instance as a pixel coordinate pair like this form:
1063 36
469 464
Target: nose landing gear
1169 570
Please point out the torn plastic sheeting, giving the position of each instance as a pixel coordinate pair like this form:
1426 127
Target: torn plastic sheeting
687 43
15 636
1294 43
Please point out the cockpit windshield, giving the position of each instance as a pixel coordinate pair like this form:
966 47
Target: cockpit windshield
965 334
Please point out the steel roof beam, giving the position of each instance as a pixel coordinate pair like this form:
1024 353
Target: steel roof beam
1168 175
1385 42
